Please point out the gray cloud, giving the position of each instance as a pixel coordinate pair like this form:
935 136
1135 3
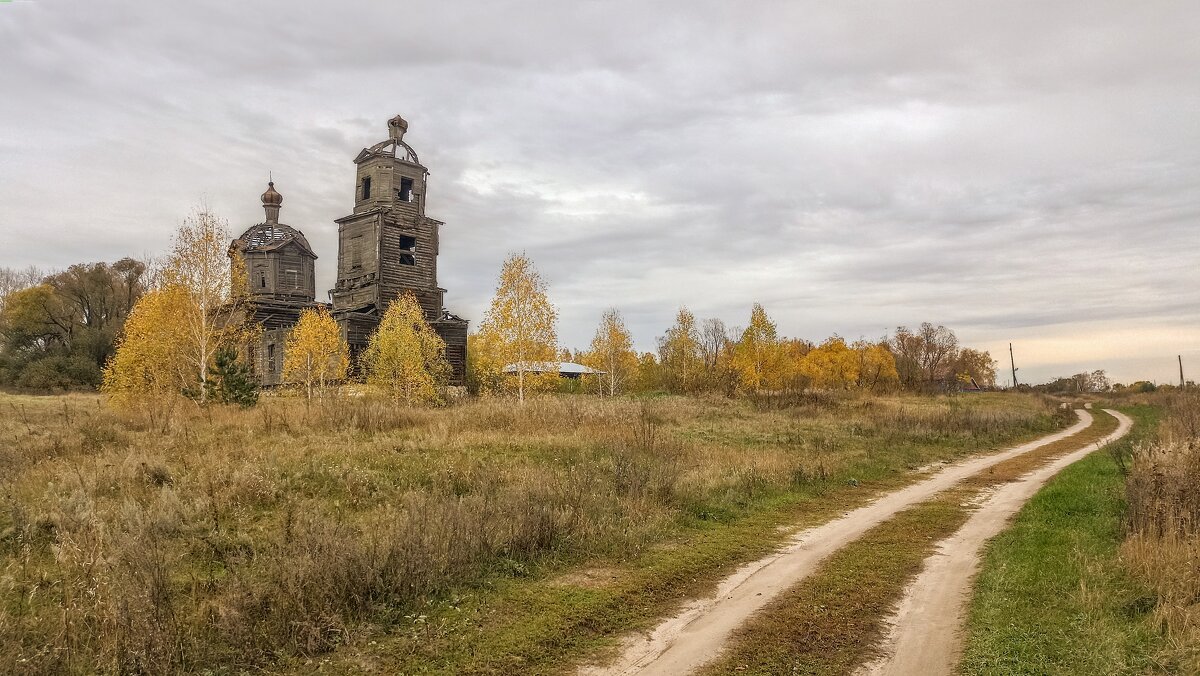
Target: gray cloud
1015 170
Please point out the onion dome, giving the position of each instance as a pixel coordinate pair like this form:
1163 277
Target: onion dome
271 234
271 197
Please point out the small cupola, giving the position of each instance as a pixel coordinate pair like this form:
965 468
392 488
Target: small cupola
397 127
271 199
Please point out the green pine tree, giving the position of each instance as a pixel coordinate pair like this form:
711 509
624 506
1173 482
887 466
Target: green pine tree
230 381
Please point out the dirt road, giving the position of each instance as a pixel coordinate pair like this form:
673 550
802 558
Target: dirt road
925 638
693 637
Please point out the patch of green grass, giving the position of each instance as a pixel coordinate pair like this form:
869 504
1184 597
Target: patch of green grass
1051 596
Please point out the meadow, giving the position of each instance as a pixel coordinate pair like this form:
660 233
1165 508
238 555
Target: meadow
246 539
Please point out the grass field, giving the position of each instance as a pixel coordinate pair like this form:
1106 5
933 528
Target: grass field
1052 596
479 538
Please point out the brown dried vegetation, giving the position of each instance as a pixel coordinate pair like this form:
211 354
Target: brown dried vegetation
239 537
1162 546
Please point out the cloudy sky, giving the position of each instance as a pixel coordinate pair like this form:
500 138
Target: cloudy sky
1018 171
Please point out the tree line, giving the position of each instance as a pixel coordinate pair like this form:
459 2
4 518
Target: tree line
58 330
176 329
698 356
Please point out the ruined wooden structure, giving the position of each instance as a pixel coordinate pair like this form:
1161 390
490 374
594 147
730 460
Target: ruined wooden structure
280 280
387 246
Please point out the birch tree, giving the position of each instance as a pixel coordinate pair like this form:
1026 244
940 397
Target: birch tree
756 355
151 367
211 281
520 325
831 366
316 354
679 354
876 366
612 352
405 356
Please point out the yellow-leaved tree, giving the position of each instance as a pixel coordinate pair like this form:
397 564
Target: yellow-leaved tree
190 317
316 353
977 366
405 356
831 366
647 378
791 355
757 356
485 365
612 352
151 367
212 284
519 327
680 357
876 366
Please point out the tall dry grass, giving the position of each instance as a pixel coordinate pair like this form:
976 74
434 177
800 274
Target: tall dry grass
238 537
1162 545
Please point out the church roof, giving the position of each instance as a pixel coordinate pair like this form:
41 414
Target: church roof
273 236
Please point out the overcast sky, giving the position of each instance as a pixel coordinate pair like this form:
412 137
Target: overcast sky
1018 171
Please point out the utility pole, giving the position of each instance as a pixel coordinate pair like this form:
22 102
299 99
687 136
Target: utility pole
1181 383
1014 365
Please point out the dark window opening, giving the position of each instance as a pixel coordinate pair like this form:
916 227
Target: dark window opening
271 358
367 188
408 243
405 194
408 259
262 280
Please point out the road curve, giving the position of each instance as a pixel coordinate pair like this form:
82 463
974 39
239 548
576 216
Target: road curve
925 639
682 643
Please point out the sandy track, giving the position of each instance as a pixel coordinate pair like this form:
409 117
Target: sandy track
694 637
925 638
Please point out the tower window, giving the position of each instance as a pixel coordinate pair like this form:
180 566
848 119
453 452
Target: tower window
408 259
408 243
262 280
366 187
355 247
405 194
293 278
271 358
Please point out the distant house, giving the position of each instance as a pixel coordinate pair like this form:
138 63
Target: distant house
565 369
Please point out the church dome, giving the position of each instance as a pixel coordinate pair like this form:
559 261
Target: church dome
271 197
267 236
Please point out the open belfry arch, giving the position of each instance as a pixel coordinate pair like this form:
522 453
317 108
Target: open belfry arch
387 246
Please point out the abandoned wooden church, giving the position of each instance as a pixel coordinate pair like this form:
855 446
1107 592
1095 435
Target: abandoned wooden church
386 246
